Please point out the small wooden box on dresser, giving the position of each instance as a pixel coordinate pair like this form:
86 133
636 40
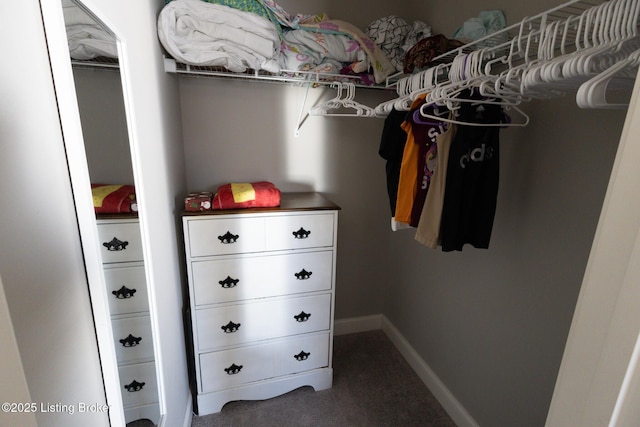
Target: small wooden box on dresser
123 263
261 291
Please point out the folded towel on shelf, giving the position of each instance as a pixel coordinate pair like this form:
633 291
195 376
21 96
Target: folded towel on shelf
262 194
114 199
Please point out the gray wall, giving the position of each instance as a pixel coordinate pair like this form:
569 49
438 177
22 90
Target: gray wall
492 324
104 125
40 255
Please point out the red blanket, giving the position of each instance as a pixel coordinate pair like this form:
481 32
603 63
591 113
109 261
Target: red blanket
262 194
114 198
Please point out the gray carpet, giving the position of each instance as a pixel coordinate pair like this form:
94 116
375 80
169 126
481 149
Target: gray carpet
373 386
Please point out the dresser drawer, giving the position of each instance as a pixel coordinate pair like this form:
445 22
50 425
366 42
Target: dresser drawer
133 339
226 236
299 231
150 412
244 323
242 278
120 241
229 368
139 384
126 288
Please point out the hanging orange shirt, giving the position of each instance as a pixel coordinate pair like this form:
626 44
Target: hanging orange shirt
407 184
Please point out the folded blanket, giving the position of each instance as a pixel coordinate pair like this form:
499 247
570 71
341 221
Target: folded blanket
377 60
320 23
114 198
246 195
201 33
313 51
395 36
87 39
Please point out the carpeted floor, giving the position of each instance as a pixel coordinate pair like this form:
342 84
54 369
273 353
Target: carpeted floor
373 386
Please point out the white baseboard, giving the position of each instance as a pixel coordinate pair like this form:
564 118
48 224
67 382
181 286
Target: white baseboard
354 325
188 415
378 321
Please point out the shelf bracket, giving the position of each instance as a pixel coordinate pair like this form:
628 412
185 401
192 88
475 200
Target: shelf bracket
300 115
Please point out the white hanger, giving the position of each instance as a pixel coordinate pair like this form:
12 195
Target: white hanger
605 45
343 104
424 113
551 55
593 93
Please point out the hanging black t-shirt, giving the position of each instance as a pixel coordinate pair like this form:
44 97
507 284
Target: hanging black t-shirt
472 179
391 149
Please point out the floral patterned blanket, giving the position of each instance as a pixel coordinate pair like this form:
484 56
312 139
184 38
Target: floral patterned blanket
320 43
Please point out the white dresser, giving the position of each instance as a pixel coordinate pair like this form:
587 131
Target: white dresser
261 291
123 262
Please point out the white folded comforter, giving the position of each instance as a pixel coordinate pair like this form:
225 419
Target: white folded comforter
87 38
200 33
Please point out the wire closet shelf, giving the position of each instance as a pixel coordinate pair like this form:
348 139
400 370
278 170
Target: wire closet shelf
285 76
588 47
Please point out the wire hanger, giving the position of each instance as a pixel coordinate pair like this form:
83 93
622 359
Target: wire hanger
343 104
437 112
506 122
593 92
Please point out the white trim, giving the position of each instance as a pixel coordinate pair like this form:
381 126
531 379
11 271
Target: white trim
188 413
374 322
354 325
454 408
319 379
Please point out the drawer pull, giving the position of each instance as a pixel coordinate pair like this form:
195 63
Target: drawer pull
228 238
124 293
130 341
302 317
134 386
301 233
233 369
302 356
303 274
228 282
115 245
230 327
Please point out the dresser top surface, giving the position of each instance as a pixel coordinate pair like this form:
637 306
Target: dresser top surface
306 201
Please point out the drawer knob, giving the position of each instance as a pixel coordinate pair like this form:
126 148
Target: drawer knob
233 369
115 245
130 341
302 317
228 282
230 327
302 356
228 238
301 233
124 293
134 386
303 274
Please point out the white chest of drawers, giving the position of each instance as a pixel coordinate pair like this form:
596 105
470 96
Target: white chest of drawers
123 263
261 291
